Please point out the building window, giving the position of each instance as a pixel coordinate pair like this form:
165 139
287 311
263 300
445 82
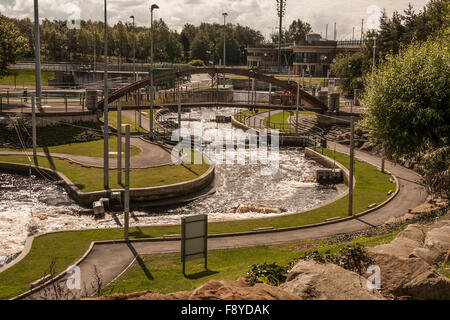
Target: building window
306 57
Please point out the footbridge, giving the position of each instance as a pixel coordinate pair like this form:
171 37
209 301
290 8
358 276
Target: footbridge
309 101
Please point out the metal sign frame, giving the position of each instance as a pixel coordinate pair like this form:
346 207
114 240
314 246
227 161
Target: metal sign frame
194 239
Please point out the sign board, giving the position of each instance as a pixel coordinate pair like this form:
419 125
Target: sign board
194 239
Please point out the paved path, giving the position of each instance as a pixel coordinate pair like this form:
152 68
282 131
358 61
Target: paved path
111 259
151 156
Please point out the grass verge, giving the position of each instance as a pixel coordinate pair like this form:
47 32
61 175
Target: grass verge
162 272
26 77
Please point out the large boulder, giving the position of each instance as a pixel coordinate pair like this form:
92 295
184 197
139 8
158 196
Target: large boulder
326 281
215 290
408 263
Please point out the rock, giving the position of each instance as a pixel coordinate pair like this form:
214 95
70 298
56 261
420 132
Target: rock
366 147
316 281
253 208
428 286
215 290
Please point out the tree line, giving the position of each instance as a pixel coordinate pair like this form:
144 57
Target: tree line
395 33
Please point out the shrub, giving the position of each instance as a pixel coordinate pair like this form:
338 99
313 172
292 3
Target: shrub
271 274
197 63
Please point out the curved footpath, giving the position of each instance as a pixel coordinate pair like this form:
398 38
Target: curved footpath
151 155
114 257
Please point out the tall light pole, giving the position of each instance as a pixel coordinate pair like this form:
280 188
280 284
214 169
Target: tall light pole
224 39
153 7
105 108
281 9
374 50
37 51
134 51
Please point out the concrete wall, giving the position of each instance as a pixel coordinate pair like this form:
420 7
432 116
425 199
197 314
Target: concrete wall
327 162
136 194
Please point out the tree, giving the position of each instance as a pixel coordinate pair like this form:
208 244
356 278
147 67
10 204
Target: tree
297 31
186 37
408 101
349 67
232 51
201 47
12 45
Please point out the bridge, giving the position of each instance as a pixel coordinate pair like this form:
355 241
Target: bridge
308 99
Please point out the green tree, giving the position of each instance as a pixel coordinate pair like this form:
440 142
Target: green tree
201 47
408 99
12 45
297 31
349 67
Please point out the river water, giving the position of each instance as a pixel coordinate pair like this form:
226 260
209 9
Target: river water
30 205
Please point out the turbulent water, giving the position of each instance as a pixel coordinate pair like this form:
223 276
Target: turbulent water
30 205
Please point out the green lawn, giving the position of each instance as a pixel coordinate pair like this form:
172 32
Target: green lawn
27 77
371 187
280 120
112 119
91 179
90 149
162 272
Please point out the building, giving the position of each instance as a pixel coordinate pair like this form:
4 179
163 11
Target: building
314 56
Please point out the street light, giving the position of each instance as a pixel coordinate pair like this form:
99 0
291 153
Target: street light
134 51
153 7
224 39
105 109
37 53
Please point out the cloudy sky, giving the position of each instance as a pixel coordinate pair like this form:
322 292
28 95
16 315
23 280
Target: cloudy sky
258 14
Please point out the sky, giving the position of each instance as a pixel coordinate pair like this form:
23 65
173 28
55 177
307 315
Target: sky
257 14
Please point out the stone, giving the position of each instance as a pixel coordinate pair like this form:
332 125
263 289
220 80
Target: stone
259 209
326 281
215 290
105 202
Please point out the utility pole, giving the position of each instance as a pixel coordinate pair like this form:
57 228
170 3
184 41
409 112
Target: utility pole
335 32
33 125
362 30
126 223
224 39
281 8
298 104
374 50
153 7
326 32
179 106
105 110
351 167
37 53
95 52
134 51
119 143
270 96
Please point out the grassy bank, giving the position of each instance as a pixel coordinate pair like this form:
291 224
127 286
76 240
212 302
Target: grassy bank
26 77
280 120
91 179
89 149
371 187
162 272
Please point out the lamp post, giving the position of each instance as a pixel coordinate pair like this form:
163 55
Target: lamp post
153 7
105 108
224 39
134 51
281 8
37 51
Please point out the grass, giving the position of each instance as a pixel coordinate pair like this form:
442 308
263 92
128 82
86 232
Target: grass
112 120
281 120
371 187
162 272
445 269
27 77
90 149
91 179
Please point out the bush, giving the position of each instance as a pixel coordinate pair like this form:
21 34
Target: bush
271 274
197 63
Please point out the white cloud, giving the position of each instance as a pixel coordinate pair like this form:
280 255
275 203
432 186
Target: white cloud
258 14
